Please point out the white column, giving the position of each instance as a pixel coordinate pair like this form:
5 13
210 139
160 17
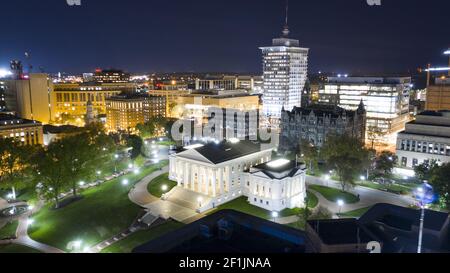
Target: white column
185 176
214 182
228 175
221 191
207 179
192 177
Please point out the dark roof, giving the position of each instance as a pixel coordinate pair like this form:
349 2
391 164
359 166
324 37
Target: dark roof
321 109
226 151
61 129
15 120
287 170
404 217
248 234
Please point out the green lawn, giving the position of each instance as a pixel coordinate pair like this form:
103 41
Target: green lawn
9 230
103 212
241 204
141 237
155 186
13 248
354 213
395 188
333 195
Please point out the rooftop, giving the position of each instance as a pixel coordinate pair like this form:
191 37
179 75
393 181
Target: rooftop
11 120
279 168
226 151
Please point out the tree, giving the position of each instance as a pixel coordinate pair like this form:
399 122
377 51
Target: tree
310 153
51 170
14 163
440 180
425 170
385 163
374 133
136 143
347 155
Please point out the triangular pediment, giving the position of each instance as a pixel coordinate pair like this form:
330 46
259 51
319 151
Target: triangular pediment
192 154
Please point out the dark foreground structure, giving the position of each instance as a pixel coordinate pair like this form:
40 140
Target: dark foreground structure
395 229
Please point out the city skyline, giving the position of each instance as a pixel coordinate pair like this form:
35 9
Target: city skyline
199 37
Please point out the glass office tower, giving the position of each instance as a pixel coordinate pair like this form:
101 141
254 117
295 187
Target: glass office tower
285 66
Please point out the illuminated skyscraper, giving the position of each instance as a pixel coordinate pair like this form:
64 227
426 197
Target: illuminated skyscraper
285 66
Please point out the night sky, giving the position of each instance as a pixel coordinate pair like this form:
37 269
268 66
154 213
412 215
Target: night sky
345 36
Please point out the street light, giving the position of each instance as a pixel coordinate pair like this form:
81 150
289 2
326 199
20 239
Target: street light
274 215
125 182
130 166
199 200
81 183
164 188
425 196
30 222
362 178
136 171
340 203
327 177
30 207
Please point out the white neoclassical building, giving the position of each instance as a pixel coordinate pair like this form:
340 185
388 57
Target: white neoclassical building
216 173
277 185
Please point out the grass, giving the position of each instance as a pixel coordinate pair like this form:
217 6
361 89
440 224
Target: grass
9 230
166 143
354 213
104 212
241 204
155 186
141 237
333 195
395 188
13 248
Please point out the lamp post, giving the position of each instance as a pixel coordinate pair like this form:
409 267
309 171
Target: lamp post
424 195
327 177
199 200
274 215
116 157
340 204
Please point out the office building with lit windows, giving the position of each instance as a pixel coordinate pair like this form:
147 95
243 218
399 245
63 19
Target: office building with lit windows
285 66
28 132
425 139
438 95
386 101
2 96
124 112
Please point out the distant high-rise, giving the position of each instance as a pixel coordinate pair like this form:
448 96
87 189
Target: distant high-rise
285 66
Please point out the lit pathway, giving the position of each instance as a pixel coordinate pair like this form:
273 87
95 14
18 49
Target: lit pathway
367 196
139 193
24 239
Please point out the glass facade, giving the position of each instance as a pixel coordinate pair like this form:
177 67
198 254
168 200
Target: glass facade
285 67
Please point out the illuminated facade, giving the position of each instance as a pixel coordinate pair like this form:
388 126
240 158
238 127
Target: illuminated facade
425 139
438 95
386 101
215 172
199 106
171 97
2 96
285 67
31 98
252 84
26 131
124 112
315 122
72 99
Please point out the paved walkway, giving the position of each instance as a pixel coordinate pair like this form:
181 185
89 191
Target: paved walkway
139 193
368 196
24 239
162 208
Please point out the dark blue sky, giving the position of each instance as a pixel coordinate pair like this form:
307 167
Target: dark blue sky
346 36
